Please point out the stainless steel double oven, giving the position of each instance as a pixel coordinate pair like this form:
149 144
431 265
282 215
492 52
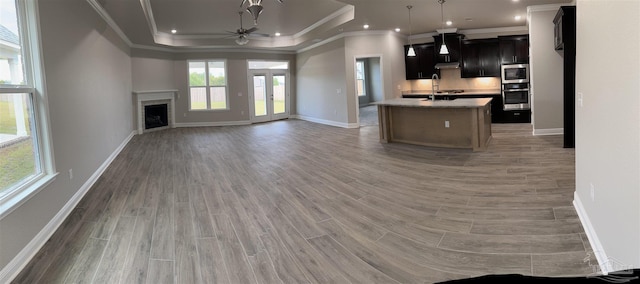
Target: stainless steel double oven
515 86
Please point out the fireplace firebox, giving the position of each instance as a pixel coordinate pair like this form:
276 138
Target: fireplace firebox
155 116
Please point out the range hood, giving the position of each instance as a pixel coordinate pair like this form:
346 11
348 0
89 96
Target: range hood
448 65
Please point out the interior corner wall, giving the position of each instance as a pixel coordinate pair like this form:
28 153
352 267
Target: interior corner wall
88 83
390 47
546 67
608 127
321 89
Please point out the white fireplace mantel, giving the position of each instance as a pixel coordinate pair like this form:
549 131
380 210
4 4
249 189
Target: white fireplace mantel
155 95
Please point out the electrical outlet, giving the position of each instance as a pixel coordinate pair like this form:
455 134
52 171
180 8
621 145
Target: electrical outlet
399 87
240 94
593 192
338 91
70 174
580 98
184 114
446 124
242 112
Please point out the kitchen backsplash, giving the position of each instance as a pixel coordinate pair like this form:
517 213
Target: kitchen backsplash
450 80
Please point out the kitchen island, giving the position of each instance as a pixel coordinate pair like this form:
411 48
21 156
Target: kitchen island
459 123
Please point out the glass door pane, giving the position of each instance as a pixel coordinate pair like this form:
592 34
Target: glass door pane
279 94
260 95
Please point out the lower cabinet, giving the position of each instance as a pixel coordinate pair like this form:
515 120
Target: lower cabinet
516 116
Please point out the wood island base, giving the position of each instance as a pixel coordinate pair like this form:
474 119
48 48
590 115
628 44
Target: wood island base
439 124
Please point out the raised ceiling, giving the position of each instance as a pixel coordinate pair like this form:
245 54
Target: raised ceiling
200 23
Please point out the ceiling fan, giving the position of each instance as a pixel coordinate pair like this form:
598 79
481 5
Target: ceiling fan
243 34
255 8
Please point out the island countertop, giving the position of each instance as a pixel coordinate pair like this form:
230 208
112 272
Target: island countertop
457 103
446 93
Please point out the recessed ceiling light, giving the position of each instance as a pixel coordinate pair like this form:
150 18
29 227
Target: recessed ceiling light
449 23
277 34
515 0
518 17
173 31
468 19
397 30
365 27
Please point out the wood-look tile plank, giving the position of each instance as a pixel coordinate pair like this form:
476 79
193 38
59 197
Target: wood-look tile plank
527 227
263 268
313 266
137 261
349 265
236 262
511 243
163 241
85 265
286 267
187 265
244 229
211 261
200 213
112 266
391 264
160 272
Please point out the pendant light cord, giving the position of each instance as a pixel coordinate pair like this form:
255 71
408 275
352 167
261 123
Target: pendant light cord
410 24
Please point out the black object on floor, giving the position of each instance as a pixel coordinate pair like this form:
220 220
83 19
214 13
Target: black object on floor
624 276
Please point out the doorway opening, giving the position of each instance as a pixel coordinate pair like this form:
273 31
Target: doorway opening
369 89
268 90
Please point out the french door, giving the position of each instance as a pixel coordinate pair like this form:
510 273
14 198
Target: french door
268 94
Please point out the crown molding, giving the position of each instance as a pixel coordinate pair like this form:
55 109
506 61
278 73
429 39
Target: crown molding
547 7
107 18
342 11
495 30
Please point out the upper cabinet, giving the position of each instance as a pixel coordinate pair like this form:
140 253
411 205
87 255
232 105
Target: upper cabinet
514 49
480 58
562 30
422 65
454 44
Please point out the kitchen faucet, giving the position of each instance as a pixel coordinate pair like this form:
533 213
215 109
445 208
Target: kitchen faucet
435 85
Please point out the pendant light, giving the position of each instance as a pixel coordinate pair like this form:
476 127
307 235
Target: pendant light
443 48
411 52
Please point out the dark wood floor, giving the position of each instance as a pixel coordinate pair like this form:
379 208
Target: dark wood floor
298 202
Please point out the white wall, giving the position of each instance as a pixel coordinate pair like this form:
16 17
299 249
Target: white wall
546 72
321 84
152 74
88 82
608 126
375 80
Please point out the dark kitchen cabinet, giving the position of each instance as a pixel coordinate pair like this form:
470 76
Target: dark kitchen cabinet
516 116
480 58
454 44
565 44
514 49
421 66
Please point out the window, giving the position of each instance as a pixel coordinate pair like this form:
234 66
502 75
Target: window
360 87
25 159
207 85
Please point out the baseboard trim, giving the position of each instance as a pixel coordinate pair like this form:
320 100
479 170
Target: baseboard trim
596 245
208 124
326 122
16 265
548 131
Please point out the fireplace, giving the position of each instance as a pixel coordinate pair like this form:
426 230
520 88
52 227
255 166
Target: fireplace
156 116
155 109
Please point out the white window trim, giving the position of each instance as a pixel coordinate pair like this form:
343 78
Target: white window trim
364 78
206 74
34 74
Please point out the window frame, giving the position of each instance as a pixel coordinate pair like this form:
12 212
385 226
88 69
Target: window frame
364 78
34 86
208 86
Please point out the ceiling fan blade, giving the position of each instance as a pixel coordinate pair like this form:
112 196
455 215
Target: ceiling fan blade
253 29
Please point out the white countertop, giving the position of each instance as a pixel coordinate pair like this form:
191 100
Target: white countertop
457 103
